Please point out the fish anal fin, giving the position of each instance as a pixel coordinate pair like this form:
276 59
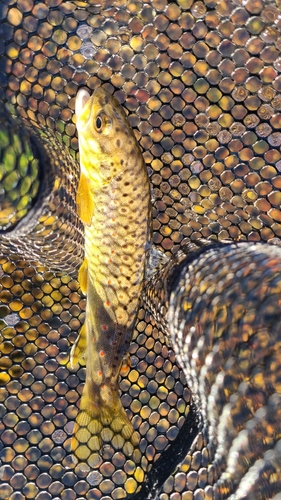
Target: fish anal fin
83 276
78 349
100 424
84 200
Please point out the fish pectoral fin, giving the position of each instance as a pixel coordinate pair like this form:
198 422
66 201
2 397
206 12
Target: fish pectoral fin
84 200
98 424
83 276
78 349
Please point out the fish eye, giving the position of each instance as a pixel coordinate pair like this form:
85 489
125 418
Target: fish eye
98 123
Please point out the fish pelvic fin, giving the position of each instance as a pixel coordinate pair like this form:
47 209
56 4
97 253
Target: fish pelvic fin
99 424
84 200
83 276
78 349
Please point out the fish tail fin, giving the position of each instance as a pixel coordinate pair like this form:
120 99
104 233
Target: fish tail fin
78 349
103 424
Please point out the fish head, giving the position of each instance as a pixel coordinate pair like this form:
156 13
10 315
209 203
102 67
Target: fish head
105 136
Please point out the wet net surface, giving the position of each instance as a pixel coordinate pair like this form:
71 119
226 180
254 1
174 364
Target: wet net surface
201 83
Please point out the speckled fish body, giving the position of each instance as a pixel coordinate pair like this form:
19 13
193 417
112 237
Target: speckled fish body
114 203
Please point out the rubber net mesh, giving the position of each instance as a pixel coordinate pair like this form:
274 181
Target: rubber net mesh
201 82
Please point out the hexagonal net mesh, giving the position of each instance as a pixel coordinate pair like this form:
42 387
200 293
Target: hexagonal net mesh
201 83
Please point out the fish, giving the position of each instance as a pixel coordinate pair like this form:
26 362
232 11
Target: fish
114 204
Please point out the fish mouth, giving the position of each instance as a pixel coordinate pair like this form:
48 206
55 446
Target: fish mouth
81 100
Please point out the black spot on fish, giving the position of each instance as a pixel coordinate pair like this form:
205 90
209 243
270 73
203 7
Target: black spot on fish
121 162
118 143
126 183
117 129
104 99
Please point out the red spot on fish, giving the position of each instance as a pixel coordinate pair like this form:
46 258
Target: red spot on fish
109 260
107 303
124 368
104 327
99 373
102 353
112 251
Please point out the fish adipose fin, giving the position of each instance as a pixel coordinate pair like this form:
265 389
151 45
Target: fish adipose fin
98 425
126 364
84 200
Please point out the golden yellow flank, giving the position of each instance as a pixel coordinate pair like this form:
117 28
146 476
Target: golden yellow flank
113 201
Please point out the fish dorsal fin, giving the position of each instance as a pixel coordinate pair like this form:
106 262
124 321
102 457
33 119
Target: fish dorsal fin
84 200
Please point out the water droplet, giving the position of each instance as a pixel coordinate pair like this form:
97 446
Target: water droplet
94 478
198 10
59 436
84 31
88 50
12 319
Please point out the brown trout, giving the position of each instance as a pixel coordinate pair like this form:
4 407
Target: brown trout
113 202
